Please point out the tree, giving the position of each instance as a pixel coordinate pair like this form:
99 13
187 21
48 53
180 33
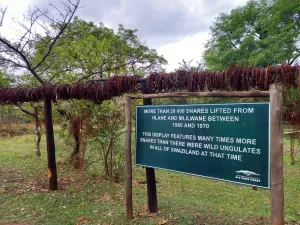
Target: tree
188 67
44 27
70 50
90 51
261 33
94 51
106 135
38 26
5 79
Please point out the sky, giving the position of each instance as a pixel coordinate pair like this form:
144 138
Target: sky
177 29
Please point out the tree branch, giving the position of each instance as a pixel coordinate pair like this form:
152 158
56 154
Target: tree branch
2 14
55 74
16 64
22 52
25 111
102 71
294 59
66 22
22 55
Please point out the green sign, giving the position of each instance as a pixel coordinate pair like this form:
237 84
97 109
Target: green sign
227 142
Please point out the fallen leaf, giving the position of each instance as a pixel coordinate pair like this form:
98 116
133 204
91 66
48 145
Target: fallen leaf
163 222
200 214
80 218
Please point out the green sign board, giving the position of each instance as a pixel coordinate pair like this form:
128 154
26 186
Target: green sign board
227 142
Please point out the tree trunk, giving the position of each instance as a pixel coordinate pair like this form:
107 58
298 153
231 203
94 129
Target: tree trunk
82 143
106 166
292 149
37 130
75 124
111 164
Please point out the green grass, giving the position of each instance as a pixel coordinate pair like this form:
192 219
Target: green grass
84 198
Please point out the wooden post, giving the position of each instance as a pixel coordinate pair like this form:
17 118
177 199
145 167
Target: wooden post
276 142
150 172
128 163
52 174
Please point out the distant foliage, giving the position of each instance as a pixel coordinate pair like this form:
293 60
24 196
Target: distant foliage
261 33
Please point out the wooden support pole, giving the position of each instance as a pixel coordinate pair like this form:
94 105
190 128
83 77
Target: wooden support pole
276 142
52 174
128 163
151 190
150 172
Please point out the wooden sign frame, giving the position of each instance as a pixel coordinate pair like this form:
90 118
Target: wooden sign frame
276 144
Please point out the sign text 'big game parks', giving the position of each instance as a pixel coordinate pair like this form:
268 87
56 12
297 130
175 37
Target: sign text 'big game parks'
223 141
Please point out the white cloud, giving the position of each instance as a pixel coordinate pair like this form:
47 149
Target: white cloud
15 10
182 24
189 48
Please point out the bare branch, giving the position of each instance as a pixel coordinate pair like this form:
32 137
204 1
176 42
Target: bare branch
61 71
106 70
66 20
25 111
6 61
2 14
294 59
23 56
40 30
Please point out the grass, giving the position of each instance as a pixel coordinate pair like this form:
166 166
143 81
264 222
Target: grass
86 198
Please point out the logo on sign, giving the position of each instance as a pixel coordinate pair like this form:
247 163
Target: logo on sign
247 175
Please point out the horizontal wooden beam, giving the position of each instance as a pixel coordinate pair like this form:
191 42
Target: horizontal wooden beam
291 132
238 94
